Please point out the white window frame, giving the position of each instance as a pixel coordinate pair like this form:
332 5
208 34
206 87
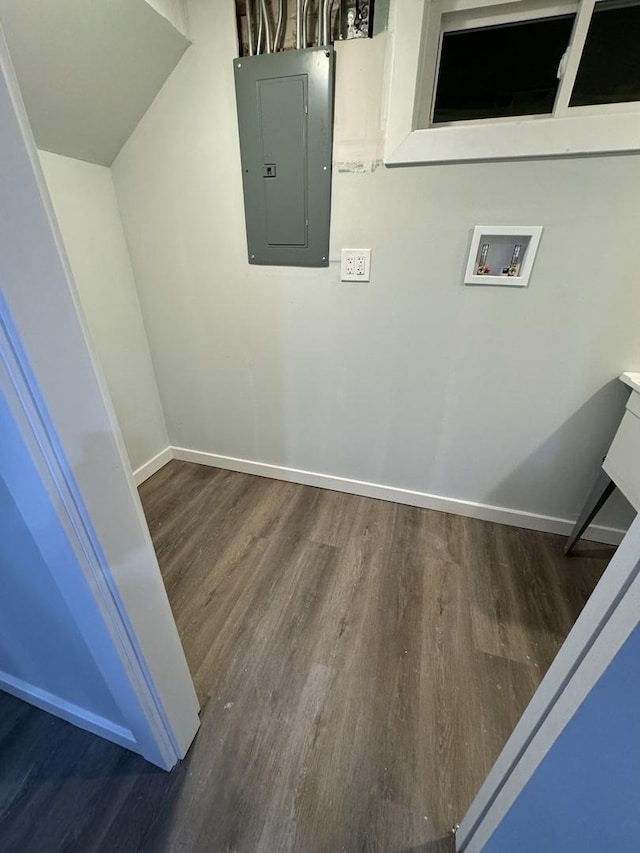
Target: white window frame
568 131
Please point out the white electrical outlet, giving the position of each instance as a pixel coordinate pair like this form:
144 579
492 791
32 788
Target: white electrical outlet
356 264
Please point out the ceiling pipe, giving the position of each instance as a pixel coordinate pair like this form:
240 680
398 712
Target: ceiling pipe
329 7
305 22
249 11
267 27
279 29
298 24
322 22
260 27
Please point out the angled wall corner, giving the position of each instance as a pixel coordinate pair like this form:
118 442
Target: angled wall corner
89 71
175 11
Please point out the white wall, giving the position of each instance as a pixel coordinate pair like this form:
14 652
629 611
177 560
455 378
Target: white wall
84 200
495 395
172 10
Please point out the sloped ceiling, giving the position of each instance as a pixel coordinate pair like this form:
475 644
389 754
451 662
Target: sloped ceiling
88 69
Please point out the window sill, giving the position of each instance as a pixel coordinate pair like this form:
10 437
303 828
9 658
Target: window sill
548 137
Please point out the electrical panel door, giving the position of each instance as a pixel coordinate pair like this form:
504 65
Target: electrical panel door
285 120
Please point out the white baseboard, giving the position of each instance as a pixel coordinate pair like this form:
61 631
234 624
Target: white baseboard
470 509
149 468
80 717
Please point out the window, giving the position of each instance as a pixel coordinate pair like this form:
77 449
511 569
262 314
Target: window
513 63
485 79
493 72
609 71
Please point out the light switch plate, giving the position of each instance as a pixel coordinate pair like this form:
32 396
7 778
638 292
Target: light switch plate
356 265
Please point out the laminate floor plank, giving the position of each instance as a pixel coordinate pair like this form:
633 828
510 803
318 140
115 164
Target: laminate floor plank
359 663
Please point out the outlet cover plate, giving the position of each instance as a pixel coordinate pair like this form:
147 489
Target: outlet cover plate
355 265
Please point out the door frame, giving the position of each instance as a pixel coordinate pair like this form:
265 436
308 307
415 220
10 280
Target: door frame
606 622
58 398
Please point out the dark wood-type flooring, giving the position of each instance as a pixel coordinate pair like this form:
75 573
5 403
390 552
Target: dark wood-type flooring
359 663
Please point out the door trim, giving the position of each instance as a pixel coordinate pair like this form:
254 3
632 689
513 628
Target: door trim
20 390
58 398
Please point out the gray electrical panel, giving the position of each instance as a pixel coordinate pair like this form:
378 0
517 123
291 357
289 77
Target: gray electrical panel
285 119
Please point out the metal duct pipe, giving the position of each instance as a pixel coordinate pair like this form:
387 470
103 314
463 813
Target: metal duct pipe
329 14
298 24
249 10
323 30
305 13
267 27
260 27
279 28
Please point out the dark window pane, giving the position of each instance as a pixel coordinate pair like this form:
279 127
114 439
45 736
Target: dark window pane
505 70
609 71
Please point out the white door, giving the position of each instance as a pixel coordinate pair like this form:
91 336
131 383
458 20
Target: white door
607 621
81 509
